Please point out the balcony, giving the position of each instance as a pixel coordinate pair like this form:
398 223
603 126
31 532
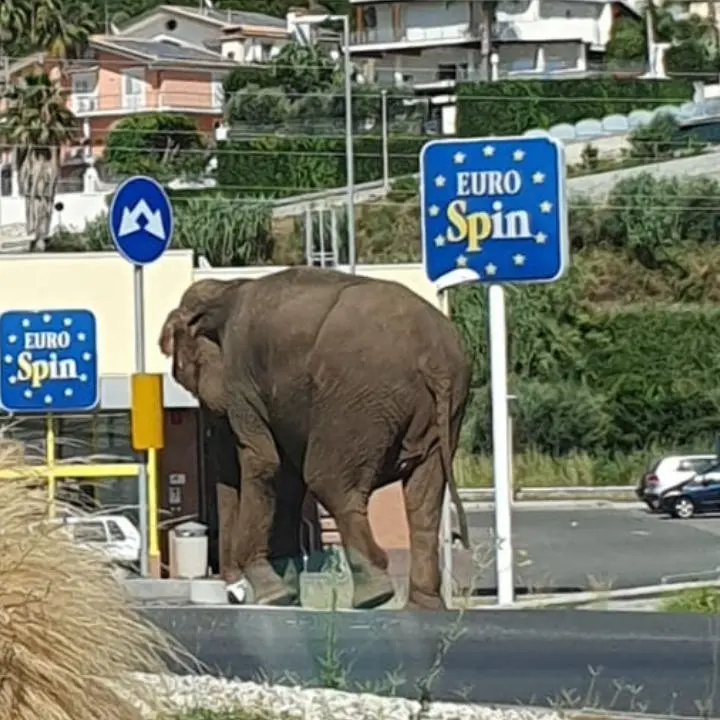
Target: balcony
443 35
84 103
133 103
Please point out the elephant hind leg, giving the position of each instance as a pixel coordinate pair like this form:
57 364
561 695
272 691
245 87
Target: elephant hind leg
347 502
424 494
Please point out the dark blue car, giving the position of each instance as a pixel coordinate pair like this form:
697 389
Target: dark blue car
698 495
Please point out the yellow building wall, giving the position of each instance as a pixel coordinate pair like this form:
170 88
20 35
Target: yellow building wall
411 275
103 283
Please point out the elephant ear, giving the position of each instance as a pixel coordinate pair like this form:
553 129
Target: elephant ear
210 320
176 322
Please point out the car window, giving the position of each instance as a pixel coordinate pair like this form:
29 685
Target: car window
116 532
89 532
697 464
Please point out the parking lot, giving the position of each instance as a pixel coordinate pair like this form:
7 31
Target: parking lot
581 549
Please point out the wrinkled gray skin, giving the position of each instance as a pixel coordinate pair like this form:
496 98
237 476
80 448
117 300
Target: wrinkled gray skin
354 383
197 366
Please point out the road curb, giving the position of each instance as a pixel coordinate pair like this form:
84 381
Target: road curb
549 504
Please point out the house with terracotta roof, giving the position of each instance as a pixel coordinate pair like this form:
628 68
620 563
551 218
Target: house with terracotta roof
172 59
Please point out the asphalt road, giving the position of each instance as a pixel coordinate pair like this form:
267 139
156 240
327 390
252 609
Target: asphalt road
585 549
643 662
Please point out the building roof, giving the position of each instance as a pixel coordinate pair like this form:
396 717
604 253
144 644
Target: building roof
632 5
158 51
219 18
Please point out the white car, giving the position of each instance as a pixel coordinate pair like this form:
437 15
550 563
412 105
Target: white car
669 472
114 535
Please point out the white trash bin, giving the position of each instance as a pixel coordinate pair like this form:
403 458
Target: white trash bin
191 550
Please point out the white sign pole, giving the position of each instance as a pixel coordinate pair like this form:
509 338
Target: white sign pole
139 302
446 519
501 446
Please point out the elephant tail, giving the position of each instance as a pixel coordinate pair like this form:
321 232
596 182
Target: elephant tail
444 421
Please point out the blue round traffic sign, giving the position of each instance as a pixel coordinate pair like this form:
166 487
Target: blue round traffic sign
141 220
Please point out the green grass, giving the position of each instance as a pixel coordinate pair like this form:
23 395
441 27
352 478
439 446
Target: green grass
700 600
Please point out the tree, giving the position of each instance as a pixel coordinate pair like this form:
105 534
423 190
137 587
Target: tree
14 20
37 123
303 88
59 28
627 44
163 145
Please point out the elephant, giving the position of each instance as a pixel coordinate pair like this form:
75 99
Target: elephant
353 383
197 366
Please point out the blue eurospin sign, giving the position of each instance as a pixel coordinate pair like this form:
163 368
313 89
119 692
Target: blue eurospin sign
493 210
49 361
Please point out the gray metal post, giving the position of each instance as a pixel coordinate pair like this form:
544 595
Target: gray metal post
385 141
308 234
139 301
349 159
334 234
321 232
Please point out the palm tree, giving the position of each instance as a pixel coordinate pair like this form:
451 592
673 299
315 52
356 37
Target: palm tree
13 24
59 28
37 123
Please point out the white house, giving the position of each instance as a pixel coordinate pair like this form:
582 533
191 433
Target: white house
435 42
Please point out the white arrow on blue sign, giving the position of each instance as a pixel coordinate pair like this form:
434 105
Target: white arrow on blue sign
493 210
141 220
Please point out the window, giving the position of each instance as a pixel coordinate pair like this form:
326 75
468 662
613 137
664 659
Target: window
217 92
31 431
105 434
133 89
370 17
89 532
116 532
83 97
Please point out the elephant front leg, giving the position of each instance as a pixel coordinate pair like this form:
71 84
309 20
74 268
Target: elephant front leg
259 466
227 508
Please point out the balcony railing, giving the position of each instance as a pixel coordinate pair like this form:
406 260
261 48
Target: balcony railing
83 103
133 102
373 36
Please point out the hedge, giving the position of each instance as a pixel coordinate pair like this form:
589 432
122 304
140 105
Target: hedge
280 166
509 107
600 381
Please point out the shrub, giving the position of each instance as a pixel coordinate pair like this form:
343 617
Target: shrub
700 600
510 107
227 231
162 145
70 640
658 139
279 166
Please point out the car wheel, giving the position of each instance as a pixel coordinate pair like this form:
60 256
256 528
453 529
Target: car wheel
683 508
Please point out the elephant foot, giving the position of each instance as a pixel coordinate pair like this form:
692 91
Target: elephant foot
370 590
419 600
267 587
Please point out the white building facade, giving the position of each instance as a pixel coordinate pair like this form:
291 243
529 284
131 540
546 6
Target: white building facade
434 42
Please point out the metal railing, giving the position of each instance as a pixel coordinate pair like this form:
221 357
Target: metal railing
84 103
371 36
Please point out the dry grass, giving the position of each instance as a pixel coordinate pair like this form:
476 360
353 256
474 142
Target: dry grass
69 637
532 469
